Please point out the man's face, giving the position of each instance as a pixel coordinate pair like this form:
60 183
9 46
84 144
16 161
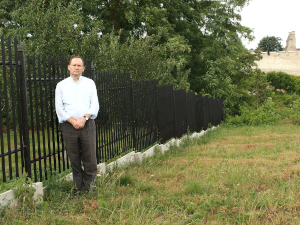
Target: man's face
76 67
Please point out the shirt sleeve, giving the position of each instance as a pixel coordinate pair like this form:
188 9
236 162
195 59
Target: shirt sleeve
94 108
62 115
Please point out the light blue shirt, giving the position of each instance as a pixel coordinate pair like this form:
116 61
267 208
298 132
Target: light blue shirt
76 99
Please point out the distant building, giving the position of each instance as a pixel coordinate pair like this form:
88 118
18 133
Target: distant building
290 42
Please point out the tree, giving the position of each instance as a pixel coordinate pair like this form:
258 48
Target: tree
270 44
144 58
195 40
260 87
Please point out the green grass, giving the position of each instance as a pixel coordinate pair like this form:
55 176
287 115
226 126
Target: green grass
232 175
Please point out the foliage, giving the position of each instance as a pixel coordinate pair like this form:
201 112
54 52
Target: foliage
199 41
270 44
144 59
283 100
264 115
281 108
259 87
223 64
293 112
51 27
233 79
281 80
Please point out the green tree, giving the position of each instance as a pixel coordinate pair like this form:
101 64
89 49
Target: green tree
144 58
196 40
51 27
270 44
224 65
6 9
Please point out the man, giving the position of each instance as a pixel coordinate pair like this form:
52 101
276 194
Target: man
77 106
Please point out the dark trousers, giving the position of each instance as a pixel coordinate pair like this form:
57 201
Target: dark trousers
81 148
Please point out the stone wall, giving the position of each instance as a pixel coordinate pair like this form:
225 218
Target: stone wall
288 62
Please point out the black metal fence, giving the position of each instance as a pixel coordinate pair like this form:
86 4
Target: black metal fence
133 114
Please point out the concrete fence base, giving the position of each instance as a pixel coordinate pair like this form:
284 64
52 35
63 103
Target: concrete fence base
7 198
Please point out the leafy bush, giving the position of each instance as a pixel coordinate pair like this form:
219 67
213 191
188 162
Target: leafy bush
293 112
281 80
282 100
265 115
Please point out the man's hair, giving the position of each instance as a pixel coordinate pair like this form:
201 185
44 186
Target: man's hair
76 57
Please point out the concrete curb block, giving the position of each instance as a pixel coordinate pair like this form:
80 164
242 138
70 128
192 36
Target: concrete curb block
123 161
39 192
138 157
7 198
101 168
149 152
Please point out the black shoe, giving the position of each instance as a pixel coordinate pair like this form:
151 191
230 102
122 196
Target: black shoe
76 192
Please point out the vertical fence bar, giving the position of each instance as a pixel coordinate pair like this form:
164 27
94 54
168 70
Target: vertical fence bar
132 115
19 105
100 119
215 102
205 112
51 132
199 112
46 81
190 107
180 113
211 111
63 158
42 128
57 124
114 114
106 115
36 120
52 106
24 107
1 122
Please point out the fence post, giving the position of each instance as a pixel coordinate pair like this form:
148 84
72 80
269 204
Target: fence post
132 114
24 111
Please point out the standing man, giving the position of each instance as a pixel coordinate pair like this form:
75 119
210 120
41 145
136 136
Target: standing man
77 106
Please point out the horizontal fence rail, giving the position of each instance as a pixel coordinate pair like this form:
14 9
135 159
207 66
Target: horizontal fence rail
134 114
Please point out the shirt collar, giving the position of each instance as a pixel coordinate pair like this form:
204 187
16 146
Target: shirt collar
80 78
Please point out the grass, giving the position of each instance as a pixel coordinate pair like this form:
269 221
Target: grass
232 175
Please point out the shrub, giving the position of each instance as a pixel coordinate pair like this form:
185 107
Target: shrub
264 115
282 100
293 112
281 80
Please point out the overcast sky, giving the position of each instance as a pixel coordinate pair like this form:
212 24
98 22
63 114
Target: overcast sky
272 18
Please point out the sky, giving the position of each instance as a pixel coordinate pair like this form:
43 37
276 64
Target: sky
272 18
